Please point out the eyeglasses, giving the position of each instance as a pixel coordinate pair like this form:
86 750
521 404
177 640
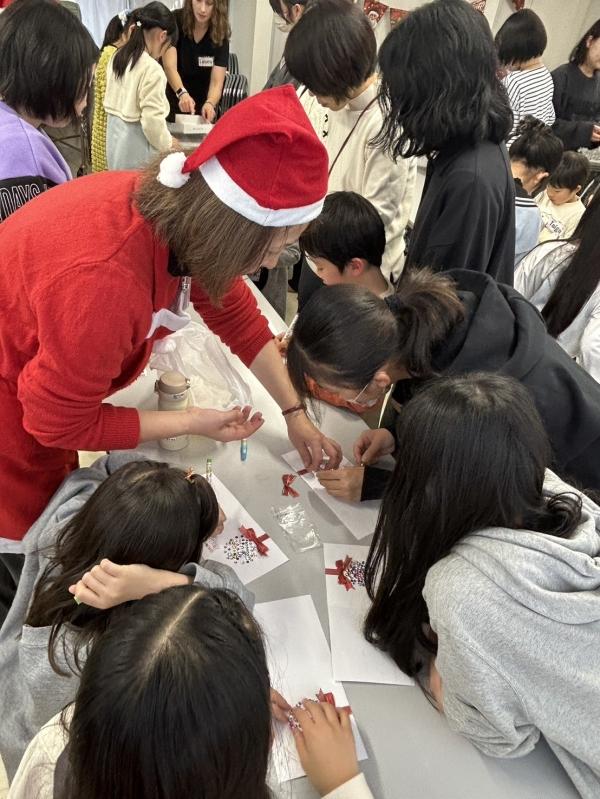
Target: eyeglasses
370 403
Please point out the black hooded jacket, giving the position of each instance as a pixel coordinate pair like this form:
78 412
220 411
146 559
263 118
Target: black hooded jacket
503 333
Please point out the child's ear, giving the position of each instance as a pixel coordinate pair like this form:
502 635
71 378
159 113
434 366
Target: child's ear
382 379
356 266
578 189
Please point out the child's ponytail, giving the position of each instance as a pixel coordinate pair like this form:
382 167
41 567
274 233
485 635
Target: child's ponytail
153 15
426 307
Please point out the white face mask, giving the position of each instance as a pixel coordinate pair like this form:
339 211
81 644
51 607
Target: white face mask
282 25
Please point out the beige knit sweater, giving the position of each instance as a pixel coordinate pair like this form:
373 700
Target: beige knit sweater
140 96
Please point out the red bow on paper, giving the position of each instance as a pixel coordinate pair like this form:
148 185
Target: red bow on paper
341 569
330 699
249 533
288 491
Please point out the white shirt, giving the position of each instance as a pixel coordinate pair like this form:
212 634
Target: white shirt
366 170
536 277
558 221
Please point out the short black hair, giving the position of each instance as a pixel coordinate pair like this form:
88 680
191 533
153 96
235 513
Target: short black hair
349 227
536 146
46 59
276 6
521 38
579 52
332 48
571 172
439 82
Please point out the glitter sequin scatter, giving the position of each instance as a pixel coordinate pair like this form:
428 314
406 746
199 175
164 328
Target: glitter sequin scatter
356 573
240 550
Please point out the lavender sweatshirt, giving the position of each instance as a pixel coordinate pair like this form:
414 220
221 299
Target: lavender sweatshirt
29 162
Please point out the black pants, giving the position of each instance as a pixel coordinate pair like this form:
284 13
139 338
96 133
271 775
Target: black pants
11 566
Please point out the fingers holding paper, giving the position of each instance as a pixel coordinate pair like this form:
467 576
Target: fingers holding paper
343 483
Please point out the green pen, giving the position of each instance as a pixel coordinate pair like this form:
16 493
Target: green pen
209 470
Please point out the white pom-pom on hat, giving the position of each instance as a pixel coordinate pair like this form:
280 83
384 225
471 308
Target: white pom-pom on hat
170 172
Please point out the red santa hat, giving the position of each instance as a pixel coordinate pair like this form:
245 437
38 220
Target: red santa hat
262 159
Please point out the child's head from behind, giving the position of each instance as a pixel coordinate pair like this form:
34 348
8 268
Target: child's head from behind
153 30
332 51
535 153
145 512
347 240
174 701
456 433
567 180
47 61
521 39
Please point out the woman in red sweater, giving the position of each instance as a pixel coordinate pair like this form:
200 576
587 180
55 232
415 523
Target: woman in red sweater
94 272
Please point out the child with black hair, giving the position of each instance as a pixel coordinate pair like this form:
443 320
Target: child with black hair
534 154
346 243
521 42
135 100
560 205
115 36
112 533
175 701
47 61
332 52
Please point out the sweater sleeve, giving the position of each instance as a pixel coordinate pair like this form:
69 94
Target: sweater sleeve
154 108
573 133
211 574
390 187
86 324
356 788
238 322
375 482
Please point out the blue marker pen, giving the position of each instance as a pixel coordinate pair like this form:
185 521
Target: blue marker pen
243 449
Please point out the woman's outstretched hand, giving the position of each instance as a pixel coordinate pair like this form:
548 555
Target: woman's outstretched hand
230 425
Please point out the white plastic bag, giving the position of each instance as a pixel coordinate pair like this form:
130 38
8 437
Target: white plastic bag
198 354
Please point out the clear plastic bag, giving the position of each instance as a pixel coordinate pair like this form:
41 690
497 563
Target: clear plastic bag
297 526
197 353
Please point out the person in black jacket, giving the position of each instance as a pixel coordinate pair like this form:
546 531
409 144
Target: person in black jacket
577 94
348 340
442 99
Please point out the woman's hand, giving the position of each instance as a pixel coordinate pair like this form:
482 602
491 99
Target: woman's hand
280 707
343 483
311 443
209 112
325 745
372 445
187 104
109 584
223 425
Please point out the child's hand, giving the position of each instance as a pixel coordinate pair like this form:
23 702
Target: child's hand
109 584
373 444
325 745
343 483
279 706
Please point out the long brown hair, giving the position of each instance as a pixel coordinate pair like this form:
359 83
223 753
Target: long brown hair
214 243
219 28
145 512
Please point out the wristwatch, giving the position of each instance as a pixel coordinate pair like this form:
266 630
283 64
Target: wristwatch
180 92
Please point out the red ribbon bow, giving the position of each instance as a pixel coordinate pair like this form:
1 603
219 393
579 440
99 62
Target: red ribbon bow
330 699
249 533
341 569
288 491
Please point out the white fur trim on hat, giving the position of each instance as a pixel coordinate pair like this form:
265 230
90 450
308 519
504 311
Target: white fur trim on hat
238 200
170 171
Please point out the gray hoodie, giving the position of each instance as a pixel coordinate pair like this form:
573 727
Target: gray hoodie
517 615
31 693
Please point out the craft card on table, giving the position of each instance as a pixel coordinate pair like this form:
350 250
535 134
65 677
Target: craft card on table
359 517
300 666
242 545
353 658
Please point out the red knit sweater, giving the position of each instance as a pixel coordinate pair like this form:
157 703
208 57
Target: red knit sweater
81 275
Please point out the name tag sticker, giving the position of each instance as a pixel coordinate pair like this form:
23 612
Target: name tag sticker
206 61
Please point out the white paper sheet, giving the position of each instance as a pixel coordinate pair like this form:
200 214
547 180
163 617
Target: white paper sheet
353 658
233 549
359 517
300 665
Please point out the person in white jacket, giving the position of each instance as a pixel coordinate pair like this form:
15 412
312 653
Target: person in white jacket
135 99
133 732
332 52
562 280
